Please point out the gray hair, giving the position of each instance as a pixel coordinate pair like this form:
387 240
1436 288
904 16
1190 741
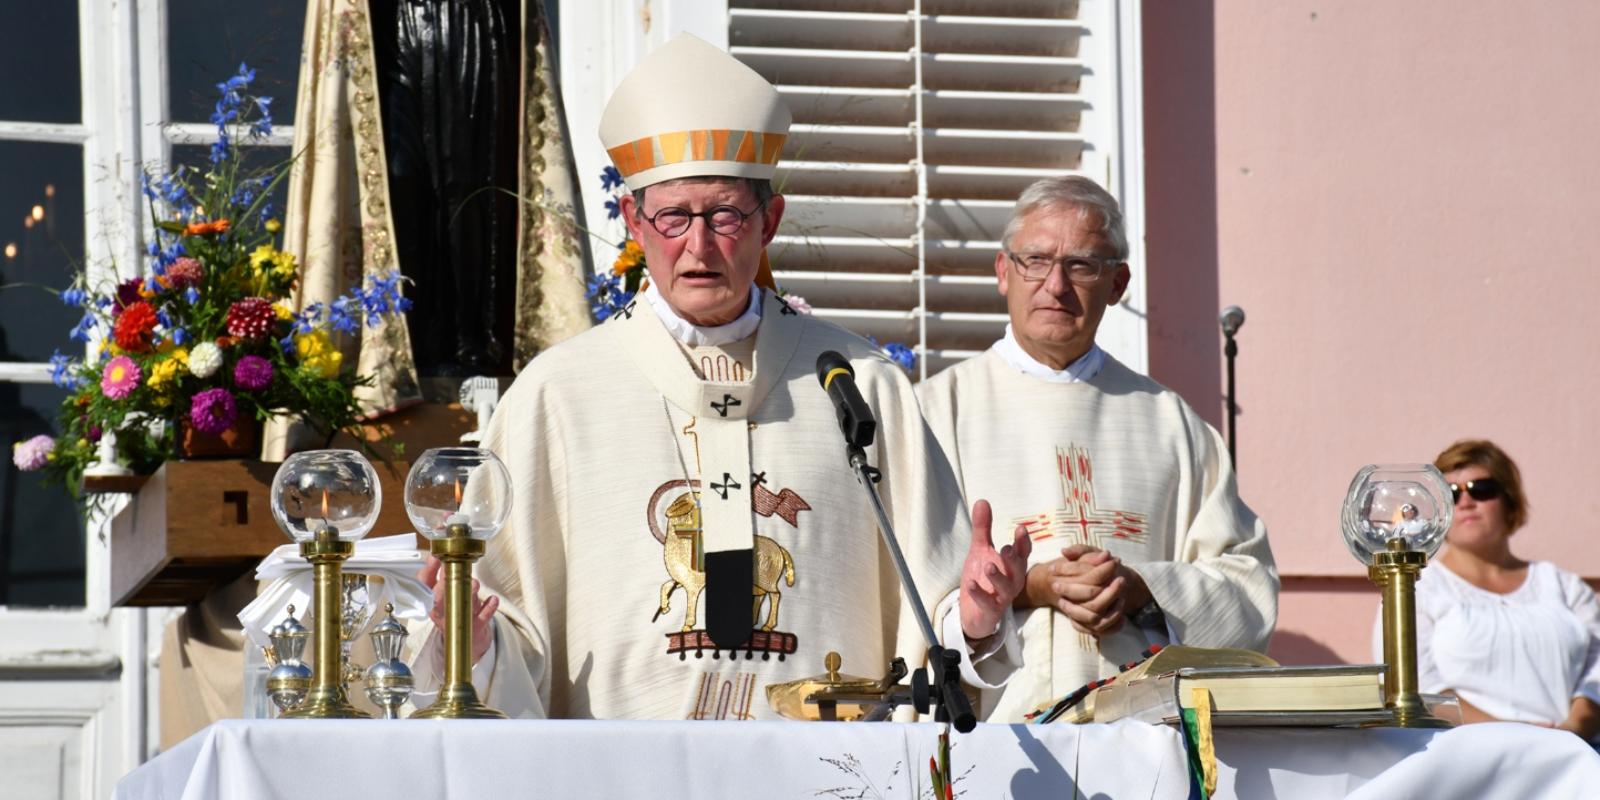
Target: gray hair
1071 191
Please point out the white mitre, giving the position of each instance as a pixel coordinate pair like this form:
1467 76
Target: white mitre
690 109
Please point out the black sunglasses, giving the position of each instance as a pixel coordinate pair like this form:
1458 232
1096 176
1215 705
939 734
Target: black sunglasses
1482 490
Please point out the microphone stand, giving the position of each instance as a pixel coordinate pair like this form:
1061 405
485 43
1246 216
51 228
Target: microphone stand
1231 350
944 691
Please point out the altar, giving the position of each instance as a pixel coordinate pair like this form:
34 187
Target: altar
259 759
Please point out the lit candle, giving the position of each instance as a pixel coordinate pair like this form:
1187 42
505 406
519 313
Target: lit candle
327 524
457 518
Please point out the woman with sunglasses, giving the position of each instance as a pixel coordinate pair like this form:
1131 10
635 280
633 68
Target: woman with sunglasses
1515 640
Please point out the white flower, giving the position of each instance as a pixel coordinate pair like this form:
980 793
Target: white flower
204 360
797 303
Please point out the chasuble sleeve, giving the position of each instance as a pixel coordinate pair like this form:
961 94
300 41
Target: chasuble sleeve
922 496
1221 587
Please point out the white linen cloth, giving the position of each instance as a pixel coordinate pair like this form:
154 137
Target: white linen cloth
395 558
1520 656
260 759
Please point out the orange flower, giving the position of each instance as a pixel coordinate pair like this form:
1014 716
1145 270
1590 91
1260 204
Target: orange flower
206 228
226 341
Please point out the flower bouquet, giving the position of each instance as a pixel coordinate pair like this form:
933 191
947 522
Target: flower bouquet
207 345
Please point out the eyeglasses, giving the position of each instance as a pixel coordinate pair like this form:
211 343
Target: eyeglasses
723 220
1482 490
1080 269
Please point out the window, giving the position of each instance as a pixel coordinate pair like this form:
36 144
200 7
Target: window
917 124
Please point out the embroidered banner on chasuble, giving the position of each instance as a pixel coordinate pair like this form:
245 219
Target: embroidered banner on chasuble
726 547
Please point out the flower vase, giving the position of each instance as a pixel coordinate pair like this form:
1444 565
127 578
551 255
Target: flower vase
241 440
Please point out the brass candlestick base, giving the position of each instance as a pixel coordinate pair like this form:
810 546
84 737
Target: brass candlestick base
1396 571
457 697
327 698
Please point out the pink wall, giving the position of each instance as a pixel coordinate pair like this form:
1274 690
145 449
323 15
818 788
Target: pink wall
1405 198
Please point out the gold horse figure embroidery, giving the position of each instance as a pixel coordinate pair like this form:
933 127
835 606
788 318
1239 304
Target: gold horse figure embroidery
681 551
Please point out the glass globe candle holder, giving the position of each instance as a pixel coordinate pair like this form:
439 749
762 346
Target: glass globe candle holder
1395 517
326 500
458 497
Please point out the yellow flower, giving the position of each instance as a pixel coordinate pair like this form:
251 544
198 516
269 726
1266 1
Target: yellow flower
167 370
317 354
632 255
273 226
263 257
283 264
283 311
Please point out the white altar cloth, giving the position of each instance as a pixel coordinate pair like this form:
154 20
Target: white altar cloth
250 759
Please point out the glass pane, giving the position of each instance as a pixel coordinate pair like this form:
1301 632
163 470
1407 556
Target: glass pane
198 159
207 40
41 535
40 41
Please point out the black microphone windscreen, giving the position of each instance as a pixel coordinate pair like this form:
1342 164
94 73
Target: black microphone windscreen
830 363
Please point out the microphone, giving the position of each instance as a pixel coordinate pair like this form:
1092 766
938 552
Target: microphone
839 381
1232 319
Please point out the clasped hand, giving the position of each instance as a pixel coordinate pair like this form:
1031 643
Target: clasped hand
1093 588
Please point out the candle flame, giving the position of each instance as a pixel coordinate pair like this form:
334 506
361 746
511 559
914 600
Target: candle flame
49 190
458 494
324 504
38 213
11 249
1398 518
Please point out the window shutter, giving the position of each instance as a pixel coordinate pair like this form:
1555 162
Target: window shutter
916 125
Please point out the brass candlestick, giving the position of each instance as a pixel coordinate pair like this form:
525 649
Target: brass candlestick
327 698
1394 517
457 697
1395 571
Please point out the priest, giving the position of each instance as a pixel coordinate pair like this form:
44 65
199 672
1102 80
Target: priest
1139 536
686 531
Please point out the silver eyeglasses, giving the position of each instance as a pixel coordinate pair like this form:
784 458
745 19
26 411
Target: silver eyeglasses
1079 269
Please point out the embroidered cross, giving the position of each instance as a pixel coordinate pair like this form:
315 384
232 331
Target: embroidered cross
727 483
728 401
758 478
627 310
1079 519
785 308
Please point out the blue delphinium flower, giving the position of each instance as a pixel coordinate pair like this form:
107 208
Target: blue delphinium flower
902 355
74 297
61 368
606 297
191 295
80 332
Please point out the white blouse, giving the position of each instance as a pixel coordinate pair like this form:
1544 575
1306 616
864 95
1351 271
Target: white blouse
1519 656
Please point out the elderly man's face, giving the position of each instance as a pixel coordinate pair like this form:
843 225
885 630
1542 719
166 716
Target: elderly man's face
705 276
1055 319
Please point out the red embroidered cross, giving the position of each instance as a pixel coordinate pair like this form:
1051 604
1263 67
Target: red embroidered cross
1078 519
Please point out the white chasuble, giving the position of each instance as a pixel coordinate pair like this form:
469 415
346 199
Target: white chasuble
1121 463
631 474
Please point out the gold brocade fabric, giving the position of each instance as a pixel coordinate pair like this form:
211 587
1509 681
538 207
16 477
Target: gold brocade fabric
338 221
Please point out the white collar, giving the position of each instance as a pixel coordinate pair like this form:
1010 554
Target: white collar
1085 368
699 336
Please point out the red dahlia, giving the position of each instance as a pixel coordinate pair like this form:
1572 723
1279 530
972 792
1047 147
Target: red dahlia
134 327
250 318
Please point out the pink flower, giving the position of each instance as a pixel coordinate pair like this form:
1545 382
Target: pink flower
213 411
252 373
184 272
32 454
797 303
120 377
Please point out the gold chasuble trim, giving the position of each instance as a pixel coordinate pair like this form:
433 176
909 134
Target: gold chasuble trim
722 410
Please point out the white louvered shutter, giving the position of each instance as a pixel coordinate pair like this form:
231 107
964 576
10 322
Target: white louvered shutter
916 125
